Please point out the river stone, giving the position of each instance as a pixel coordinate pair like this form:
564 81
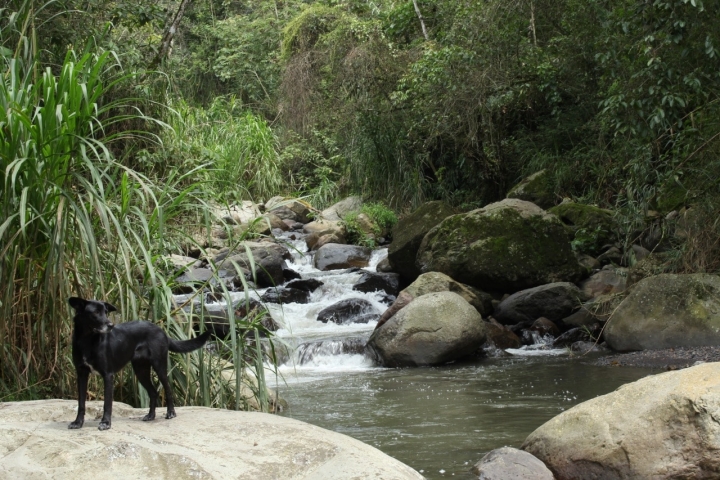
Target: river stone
268 258
334 256
554 301
344 207
439 282
509 463
536 188
351 310
373 282
321 227
662 426
501 336
408 234
667 311
432 330
307 284
201 443
608 281
285 295
504 247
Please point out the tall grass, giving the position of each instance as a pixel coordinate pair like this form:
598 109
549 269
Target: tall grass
240 147
75 221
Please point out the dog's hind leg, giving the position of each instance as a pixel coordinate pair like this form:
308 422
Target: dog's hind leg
142 372
82 381
161 370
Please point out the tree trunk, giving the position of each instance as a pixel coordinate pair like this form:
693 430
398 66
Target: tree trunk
422 22
170 34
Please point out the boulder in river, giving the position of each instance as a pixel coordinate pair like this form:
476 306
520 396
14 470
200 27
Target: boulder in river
373 282
509 463
667 311
504 247
268 258
593 227
432 330
351 310
408 234
334 256
608 281
662 426
201 443
285 295
307 284
554 301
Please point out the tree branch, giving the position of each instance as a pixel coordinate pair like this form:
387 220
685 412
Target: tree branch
169 35
422 22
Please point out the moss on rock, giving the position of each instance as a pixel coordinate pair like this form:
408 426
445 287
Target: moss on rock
536 188
507 246
593 227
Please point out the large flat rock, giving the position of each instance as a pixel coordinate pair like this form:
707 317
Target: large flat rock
201 443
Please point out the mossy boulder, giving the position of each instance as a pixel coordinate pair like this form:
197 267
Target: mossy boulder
593 227
537 188
408 234
667 311
506 246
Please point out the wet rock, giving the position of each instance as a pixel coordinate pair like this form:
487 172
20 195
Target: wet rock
554 301
544 327
289 209
384 266
501 336
509 463
583 347
403 299
290 274
662 426
667 311
576 334
307 284
408 234
334 256
433 329
504 247
217 316
352 310
285 295
373 282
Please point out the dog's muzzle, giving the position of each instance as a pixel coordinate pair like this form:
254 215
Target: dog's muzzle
105 328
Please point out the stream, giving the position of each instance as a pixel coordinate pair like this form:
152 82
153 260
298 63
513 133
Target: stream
438 420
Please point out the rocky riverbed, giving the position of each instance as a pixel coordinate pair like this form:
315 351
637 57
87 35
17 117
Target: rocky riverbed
667 359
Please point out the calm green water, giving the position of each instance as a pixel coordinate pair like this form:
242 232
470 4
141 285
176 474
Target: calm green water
440 421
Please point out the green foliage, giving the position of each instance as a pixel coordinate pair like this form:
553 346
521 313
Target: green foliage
377 220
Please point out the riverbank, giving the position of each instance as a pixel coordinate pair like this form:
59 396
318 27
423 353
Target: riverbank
666 359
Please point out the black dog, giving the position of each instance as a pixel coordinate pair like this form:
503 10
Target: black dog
102 347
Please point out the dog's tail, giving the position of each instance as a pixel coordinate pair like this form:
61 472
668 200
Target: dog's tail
185 346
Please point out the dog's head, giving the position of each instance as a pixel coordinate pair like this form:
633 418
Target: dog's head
92 315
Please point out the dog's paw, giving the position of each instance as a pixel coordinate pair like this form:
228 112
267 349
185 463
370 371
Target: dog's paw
75 425
104 426
149 417
170 415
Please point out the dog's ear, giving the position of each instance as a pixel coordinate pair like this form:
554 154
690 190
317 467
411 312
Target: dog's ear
77 303
110 307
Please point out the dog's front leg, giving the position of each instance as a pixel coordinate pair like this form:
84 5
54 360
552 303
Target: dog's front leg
108 378
82 381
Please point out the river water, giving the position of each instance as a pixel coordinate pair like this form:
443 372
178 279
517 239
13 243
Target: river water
440 420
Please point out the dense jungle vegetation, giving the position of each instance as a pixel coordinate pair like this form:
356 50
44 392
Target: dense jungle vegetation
123 120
